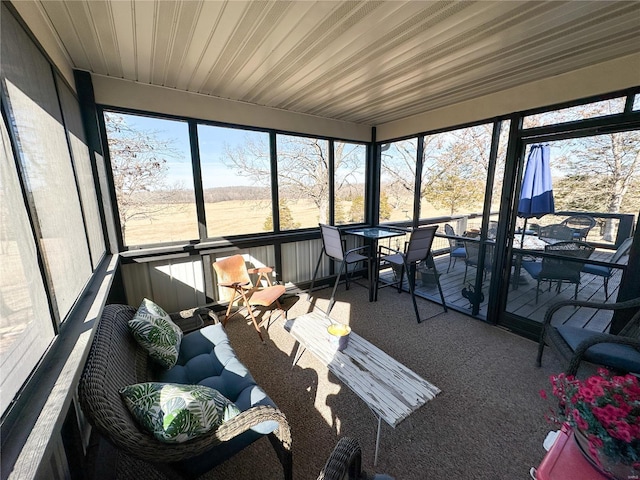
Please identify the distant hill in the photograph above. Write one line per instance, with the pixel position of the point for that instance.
(225, 194)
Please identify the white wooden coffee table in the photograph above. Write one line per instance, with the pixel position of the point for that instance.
(391, 390)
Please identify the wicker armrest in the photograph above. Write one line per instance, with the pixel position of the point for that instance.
(550, 335)
(345, 458)
(144, 446)
(582, 348)
(596, 305)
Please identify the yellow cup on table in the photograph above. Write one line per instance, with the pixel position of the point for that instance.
(339, 335)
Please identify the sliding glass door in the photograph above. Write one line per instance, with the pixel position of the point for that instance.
(579, 247)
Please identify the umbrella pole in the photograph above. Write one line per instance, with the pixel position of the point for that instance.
(516, 272)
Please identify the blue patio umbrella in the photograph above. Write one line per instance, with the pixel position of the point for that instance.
(536, 194)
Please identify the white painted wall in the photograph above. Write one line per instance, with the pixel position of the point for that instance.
(128, 94)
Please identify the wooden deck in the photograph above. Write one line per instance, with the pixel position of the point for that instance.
(522, 301)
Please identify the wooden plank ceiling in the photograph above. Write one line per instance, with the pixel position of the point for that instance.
(364, 62)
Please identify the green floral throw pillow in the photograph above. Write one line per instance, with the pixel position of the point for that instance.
(153, 329)
(177, 413)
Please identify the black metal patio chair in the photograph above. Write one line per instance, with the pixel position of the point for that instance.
(417, 249)
(472, 257)
(334, 248)
(456, 247)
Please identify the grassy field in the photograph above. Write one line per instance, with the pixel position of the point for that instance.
(234, 217)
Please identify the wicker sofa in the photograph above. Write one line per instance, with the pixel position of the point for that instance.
(206, 357)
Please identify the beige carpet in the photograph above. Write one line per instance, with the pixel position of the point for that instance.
(488, 422)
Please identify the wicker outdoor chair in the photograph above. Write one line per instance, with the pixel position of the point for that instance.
(580, 224)
(116, 360)
(456, 247)
(574, 345)
(345, 462)
(556, 232)
(558, 269)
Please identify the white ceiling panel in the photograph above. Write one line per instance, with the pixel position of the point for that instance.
(123, 24)
(364, 62)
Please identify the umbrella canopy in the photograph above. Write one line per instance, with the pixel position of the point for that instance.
(536, 195)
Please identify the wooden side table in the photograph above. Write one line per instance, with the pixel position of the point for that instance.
(565, 460)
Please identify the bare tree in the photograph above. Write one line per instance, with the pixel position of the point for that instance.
(599, 169)
(399, 168)
(139, 165)
(303, 168)
(458, 168)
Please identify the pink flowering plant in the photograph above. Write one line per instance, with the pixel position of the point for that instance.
(606, 408)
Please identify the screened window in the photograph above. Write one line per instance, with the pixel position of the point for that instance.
(26, 328)
(41, 200)
(572, 114)
(236, 178)
(350, 168)
(84, 174)
(596, 174)
(35, 117)
(454, 174)
(397, 180)
(153, 178)
(303, 181)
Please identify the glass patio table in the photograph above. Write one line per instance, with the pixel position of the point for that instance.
(372, 236)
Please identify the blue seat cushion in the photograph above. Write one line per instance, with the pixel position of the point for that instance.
(532, 268)
(597, 270)
(207, 358)
(458, 252)
(621, 357)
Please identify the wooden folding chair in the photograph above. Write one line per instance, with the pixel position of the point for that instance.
(232, 273)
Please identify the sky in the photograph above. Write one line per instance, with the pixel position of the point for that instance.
(212, 142)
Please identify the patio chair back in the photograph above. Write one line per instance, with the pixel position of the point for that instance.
(332, 242)
(622, 250)
(419, 244)
(472, 250)
(580, 225)
(333, 247)
(417, 249)
(559, 269)
(607, 272)
(565, 270)
(448, 230)
(456, 247)
(556, 232)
